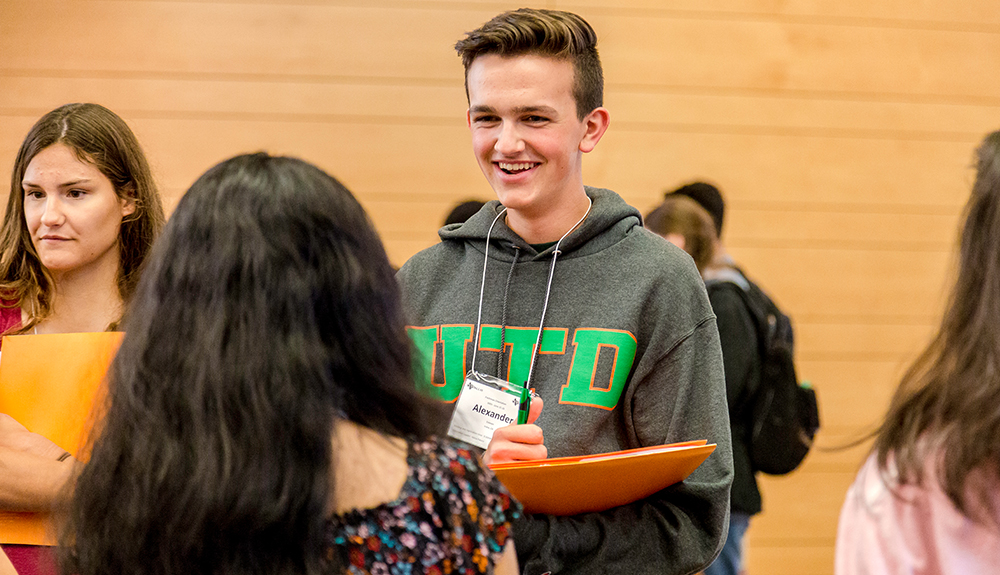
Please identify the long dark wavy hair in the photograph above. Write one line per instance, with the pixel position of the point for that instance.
(948, 402)
(99, 137)
(268, 311)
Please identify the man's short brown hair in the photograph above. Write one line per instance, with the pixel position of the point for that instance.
(547, 33)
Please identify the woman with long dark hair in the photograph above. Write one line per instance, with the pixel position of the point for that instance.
(928, 498)
(262, 417)
(82, 213)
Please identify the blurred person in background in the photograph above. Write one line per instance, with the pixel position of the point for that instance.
(463, 211)
(683, 220)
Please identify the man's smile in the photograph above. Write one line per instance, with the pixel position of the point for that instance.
(515, 167)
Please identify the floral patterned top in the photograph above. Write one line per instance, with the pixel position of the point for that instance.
(451, 516)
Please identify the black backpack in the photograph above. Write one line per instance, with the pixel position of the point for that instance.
(782, 416)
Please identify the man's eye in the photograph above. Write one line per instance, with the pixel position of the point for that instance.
(536, 119)
(75, 193)
(485, 119)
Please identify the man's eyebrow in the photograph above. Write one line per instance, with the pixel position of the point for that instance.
(533, 109)
(481, 109)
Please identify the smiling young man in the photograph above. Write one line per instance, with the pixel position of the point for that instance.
(557, 286)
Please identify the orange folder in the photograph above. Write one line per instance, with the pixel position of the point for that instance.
(49, 383)
(572, 485)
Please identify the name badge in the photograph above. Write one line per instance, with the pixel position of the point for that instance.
(485, 404)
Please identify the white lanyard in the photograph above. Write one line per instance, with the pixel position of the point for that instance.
(548, 290)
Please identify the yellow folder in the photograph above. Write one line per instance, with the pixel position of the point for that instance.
(49, 384)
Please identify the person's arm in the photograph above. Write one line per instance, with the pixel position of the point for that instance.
(33, 470)
(29, 482)
(6, 567)
(507, 565)
(678, 530)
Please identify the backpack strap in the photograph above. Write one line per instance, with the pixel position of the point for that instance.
(736, 282)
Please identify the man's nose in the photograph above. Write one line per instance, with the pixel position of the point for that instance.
(509, 142)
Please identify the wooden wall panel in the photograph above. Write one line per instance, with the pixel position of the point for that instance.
(876, 287)
(294, 100)
(840, 132)
(961, 14)
(804, 226)
(692, 109)
(820, 170)
(809, 57)
(792, 502)
(841, 382)
(235, 38)
(789, 559)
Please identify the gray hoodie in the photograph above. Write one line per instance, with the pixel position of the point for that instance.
(629, 358)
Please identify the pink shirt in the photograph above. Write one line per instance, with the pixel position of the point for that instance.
(10, 318)
(912, 530)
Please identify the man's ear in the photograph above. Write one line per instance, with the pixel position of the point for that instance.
(597, 122)
(468, 118)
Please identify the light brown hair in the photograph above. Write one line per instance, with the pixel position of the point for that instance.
(101, 138)
(948, 402)
(682, 215)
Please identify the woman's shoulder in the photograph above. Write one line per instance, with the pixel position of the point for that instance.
(452, 468)
(887, 521)
(449, 497)
(440, 452)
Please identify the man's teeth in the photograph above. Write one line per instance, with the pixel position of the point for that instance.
(512, 168)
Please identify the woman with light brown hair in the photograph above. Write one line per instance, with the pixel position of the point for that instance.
(927, 500)
(684, 223)
(81, 216)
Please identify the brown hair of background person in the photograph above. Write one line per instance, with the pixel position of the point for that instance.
(681, 216)
(950, 393)
(562, 34)
(101, 138)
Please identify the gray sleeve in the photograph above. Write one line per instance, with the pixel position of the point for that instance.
(679, 530)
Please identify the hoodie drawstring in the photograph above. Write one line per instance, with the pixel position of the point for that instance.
(482, 289)
(503, 314)
(545, 303)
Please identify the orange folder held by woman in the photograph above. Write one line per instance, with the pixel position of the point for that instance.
(49, 384)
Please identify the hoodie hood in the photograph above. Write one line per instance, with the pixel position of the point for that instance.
(610, 219)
